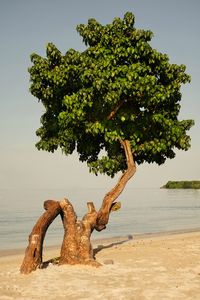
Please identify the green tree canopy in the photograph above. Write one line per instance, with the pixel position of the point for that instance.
(119, 88)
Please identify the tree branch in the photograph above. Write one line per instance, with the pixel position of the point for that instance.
(113, 112)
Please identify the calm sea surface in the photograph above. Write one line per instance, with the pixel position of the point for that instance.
(142, 211)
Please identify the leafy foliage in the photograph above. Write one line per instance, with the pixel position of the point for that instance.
(118, 88)
(194, 184)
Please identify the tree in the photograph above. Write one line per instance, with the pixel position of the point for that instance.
(116, 104)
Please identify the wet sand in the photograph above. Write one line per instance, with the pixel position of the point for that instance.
(161, 266)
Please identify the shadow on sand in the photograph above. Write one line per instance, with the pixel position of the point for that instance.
(102, 247)
(99, 248)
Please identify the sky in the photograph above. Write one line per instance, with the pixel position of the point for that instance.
(27, 26)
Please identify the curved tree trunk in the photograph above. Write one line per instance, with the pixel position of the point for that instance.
(33, 254)
(104, 212)
(76, 247)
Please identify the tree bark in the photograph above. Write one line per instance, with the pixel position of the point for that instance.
(104, 212)
(76, 247)
(33, 254)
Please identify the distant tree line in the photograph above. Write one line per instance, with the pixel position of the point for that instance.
(193, 184)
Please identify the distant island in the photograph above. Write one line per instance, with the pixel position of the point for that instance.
(194, 184)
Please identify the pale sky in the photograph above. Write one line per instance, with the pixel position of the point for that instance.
(27, 26)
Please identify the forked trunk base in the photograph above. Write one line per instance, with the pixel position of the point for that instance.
(76, 247)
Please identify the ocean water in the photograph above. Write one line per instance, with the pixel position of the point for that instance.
(143, 211)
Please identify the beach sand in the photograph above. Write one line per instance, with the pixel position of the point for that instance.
(154, 267)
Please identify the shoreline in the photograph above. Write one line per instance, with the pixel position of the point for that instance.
(113, 239)
(140, 267)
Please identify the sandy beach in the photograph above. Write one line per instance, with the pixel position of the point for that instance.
(164, 266)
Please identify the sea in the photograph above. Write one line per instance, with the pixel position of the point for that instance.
(143, 211)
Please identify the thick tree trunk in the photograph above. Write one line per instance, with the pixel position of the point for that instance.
(76, 247)
(33, 254)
